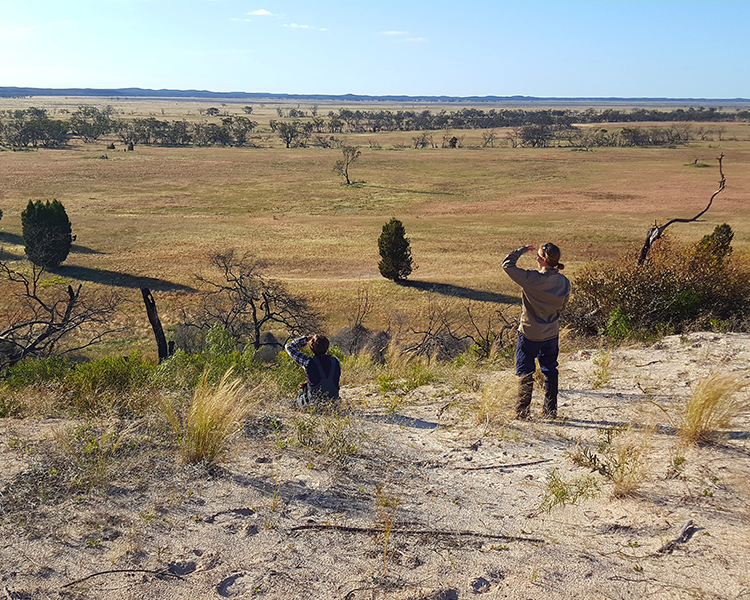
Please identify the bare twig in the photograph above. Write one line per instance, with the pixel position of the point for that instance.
(158, 573)
(435, 532)
(657, 230)
(515, 465)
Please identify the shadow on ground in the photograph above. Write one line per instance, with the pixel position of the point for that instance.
(107, 277)
(457, 291)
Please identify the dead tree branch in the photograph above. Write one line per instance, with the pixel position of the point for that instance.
(48, 316)
(657, 230)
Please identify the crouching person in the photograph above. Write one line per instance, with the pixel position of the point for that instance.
(322, 372)
(545, 294)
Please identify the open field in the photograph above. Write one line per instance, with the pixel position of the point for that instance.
(151, 216)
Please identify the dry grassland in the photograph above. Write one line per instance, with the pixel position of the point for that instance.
(151, 216)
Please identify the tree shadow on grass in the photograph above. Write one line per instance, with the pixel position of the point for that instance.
(114, 278)
(457, 291)
(17, 240)
(10, 238)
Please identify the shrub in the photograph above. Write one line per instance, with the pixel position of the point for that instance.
(214, 415)
(46, 233)
(218, 354)
(680, 288)
(712, 406)
(100, 385)
(395, 251)
(35, 371)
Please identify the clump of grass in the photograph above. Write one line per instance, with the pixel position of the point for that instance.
(385, 516)
(214, 415)
(332, 434)
(619, 455)
(712, 406)
(602, 368)
(561, 492)
(499, 395)
(91, 450)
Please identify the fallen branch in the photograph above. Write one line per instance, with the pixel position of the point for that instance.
(512, 466)
(158, 573)
(657, 230)
(435, 532)
(686, 533)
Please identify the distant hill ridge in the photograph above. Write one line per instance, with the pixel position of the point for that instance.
(206, 94)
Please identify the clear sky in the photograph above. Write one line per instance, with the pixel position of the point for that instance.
(563, 48)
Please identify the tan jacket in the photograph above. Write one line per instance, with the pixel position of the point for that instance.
(545, 294)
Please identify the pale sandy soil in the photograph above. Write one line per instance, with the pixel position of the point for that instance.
(281, 521)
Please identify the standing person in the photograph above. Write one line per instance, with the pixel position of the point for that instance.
(322, 371)
(545, 294)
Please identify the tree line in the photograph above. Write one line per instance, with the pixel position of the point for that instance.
(33, 127)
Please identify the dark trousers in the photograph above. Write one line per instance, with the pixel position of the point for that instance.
(546, 353)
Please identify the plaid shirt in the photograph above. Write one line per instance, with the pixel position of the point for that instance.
(304, 361)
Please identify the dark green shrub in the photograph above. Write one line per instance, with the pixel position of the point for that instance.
(46, 233)
(395, 251)
(679, 288)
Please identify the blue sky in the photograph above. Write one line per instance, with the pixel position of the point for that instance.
(591, 48)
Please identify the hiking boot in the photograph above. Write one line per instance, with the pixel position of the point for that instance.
(525, 388)
(550, 397)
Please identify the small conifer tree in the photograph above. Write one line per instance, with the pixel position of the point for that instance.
(46, 233)
(395, 251)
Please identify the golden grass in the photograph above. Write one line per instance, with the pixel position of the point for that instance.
(498, 400)
(157, 212)
(214, 415)
(713, 406)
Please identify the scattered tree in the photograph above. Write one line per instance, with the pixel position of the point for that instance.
(351, 154)
(245, 301)
(46, 233)
(395, 251)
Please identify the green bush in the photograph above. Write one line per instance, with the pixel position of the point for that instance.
(34, 371)
(679, 289)
(395, 251)
(102, 384)
(220, 353)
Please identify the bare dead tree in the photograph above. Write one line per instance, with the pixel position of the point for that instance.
(242, 299)
(657, 230)
(50, 318)
(494, 334)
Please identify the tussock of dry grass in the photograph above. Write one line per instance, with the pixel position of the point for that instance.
(712, 406)
(214, 415)
(499, 395)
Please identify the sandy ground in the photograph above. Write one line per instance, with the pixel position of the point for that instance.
(459, 501)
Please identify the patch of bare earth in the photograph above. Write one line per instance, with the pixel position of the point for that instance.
(433, 504)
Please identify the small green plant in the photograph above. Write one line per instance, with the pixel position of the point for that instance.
(561, 492)
(620, 456)
(713, 405)
(676, 467)
(214, 415)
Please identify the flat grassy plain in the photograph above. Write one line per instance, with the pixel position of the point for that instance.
(151, 217)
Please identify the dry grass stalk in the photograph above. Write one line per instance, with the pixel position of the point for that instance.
(214, 415)
(499, 395)
(713, 405)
